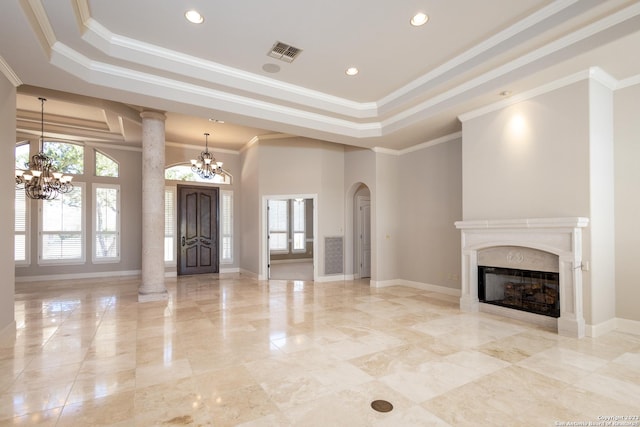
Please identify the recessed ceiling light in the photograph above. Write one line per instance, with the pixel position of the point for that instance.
(351, 71)
(505, 93)
(212, 120)
(194, 17)
(419, 19)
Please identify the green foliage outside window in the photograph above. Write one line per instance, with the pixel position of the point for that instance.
(105, 165)
(67, 158)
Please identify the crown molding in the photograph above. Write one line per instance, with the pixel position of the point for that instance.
(9, 73)
(479, 49)
(422, 146)
(630, 81)
(199, 148)
(330, 115)
(540, 90)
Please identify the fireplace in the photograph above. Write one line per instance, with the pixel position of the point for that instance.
(526, 290)
(552, 245)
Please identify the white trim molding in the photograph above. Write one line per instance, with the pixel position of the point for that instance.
(559, 236)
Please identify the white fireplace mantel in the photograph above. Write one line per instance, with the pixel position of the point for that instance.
(560, 236)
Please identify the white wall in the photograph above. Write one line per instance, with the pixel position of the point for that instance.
(601, 223)
(7, 195)
(627, 201)
(430, 192)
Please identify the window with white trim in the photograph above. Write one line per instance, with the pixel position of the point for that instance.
(298, 226)
(61, 228)
(226, 227)
(21, 230)
(170, 225)
(106, 223)
(278, 225)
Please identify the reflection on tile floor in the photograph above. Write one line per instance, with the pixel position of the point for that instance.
(225, 352)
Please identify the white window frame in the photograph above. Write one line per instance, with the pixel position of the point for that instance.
(170, 191)
(83, 244)
(27, 235)
(285, 231)
(94, 256)
(226, 232)
(294, 231)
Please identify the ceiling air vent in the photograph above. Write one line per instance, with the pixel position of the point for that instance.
(284, 52)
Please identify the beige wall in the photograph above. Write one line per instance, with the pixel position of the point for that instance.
(130, 219)
(249, 214)
(290, 166)
(529, 160)
(359, 168)
(549, 157)
(430, 194)
(386, 219)
(627, 201)
(7, 194)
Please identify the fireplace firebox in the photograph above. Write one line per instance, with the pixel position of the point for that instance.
(532, 291)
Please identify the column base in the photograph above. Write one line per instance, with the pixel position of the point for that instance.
(153, 296)
(469, 304)
(571, 327)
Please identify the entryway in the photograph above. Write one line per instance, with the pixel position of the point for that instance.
(198, 227)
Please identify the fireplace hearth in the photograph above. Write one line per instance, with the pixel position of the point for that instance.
(532, 291)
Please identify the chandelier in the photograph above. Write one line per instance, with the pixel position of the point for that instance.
(205, 164)
(41, 181)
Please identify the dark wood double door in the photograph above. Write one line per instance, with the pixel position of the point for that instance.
(198, 225)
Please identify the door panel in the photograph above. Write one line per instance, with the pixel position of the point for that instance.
(198, 225)
(365, 232)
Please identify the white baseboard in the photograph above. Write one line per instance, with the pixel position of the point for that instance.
(628, 326)
(601, 328)
(249, 274)
(170, 274)
(333, 278)
(290, 261)
(429, 287)
(8, 333)
(417, 285)
(383, 283)
(53, 277)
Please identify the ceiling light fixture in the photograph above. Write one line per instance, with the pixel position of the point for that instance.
(505, 93)
(205, 164)
(41, 181)
(419, 19)
(194, 16)
(351, 71)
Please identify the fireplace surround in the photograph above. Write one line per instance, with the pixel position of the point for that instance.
(561, 237)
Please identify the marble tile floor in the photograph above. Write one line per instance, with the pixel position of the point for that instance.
(226, 352)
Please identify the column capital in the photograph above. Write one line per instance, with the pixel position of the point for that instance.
(153, 114)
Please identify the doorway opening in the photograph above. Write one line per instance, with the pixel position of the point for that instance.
(362, 232)
(290, 234)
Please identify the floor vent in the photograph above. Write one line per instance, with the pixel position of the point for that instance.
(333, 255)
(284, 52)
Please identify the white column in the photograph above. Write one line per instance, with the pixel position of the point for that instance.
(152, 287)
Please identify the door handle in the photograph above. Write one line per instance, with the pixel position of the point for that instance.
(183, 240)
